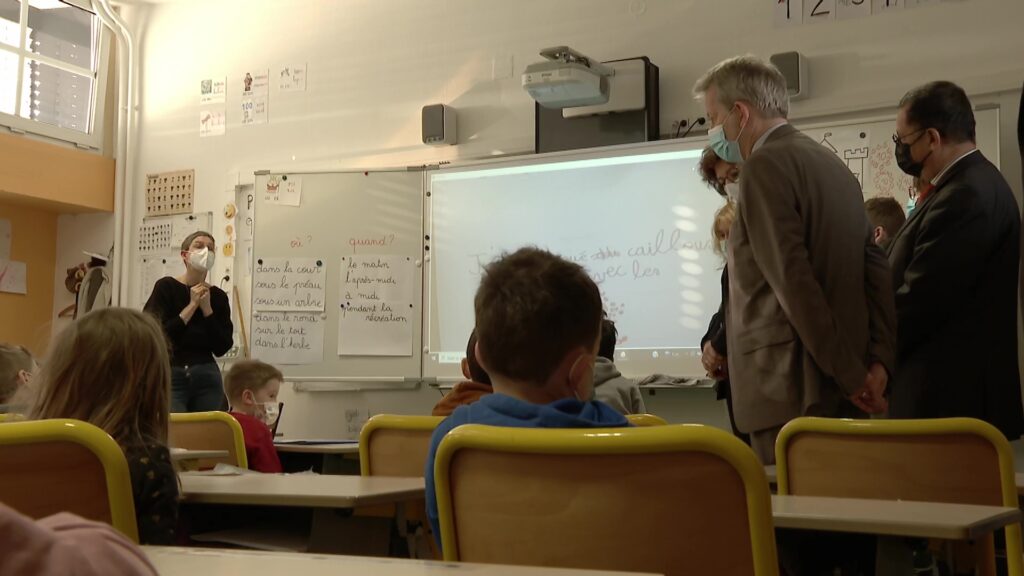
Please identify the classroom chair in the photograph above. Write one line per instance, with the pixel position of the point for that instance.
(209, 431)
(646, 420)
(393, 445)
(64, 465)
(954, 460)
(673, 500)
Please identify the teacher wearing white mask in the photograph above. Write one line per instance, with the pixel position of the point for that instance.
(197, 320)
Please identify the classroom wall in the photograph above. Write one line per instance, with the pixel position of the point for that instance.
(26, 317)
(373, 64)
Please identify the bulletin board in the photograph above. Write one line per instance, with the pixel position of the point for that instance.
(337, 283)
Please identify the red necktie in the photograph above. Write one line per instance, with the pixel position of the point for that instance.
(924, 193)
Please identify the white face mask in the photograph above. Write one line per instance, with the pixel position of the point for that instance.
(269, 413)
(732, 190)
(202, 259)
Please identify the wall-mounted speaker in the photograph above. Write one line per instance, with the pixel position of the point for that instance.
(438, 125)
(793, 66)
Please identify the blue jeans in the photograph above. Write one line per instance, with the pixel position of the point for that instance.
(197, 388)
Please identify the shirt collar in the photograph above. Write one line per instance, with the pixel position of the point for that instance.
(760, 141)
(938, 177)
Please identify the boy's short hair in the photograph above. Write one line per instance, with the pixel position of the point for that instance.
(476, 371)
(13, 359)
(885, 211)
(187, 242)
(609, 336)
(532, 308)
(249, 375)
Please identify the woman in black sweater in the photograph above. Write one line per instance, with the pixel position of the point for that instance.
(197, 320)
(723, 177)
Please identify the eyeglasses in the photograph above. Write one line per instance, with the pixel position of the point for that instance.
(897, 139)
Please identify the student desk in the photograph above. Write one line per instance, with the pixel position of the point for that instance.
(323, 457)
(189, 459)
(333, 527)
(191, 561)
(893, 521)
(891, 517)
(304, 490)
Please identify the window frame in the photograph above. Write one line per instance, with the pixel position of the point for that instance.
(93, 139)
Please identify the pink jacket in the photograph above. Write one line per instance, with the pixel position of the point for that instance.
(66, 544)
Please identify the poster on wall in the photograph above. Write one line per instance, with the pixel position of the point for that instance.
(212, 122)
(283, 190)
(212, 90)
(13, 277)
(255, 91)
(288, 337)
(292, 78)
(849, 9)
(375, 296)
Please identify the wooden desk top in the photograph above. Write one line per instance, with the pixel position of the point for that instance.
(338, 448)
(191, 561)
(309, 490)
(890, 517)
(178, 455)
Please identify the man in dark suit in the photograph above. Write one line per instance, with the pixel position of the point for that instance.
(810, 320)
(955, 270)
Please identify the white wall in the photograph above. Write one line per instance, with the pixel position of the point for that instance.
(77, 233)
(374, 63)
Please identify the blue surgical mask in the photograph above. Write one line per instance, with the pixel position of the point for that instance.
(728, 150)
(911, 204)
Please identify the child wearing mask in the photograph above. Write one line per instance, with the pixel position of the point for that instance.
(252, 387)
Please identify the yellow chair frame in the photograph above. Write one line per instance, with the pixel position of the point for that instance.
(241, 460)
(615, 441)
(646, 420)
(390, 422)
(106, 450)
(923, 427)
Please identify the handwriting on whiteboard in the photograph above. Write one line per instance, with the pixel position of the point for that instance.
(375, 241)
(289, 285)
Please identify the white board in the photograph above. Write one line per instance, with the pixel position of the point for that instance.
(370, 218)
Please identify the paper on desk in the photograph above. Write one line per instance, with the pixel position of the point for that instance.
(221, 469)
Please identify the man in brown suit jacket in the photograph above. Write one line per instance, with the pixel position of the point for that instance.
(811, 319)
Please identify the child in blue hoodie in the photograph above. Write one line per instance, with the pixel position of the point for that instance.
(538, 323)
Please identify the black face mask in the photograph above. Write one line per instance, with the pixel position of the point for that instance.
(905, 160)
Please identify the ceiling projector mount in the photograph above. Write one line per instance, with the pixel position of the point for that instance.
(567, 79)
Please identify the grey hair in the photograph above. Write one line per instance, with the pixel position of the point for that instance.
(748, 79)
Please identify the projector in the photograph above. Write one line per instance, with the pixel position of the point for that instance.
(567, 79)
